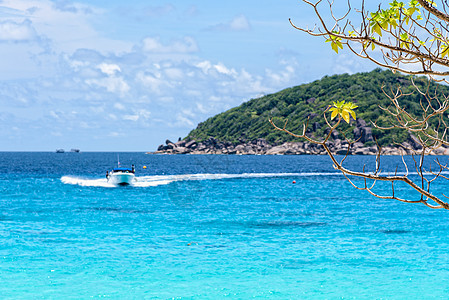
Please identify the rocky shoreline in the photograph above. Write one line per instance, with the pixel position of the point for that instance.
(362, 132)
(262, 147)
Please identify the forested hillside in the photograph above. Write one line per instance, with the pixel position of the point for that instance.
(249, 121)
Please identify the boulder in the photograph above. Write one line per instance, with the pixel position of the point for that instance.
(367, 134)
(180, 150)
(201, 147)
(290, 152)
(311, 100)
(357, 133)
(180, 143)
(362, 151)
(211, 141)
(277, 150)
(261, 142)
(334, 134)
(360, 123)
(414, 142)
(342, 151)
(357, 145)
(191, 144)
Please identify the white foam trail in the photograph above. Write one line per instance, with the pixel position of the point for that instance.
(86, 182)
(156, 180)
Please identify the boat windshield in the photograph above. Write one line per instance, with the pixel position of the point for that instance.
(126, 170)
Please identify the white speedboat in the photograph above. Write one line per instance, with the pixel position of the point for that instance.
(121, 176)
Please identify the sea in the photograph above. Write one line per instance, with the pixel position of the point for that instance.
(214, 227)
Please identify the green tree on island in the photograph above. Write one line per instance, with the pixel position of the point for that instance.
(412, 38)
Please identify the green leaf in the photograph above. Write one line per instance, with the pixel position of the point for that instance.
(377, 29)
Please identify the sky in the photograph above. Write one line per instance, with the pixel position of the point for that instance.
(114, 75)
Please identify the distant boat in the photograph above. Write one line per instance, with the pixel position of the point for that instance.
(60, 151)
(75, 150)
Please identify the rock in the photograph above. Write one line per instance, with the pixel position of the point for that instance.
(367, 135)
(357, 133)
(312, 116)
(360, 123)
(289, 152)
(438, 151)
(414, 142)
(342, 151)
(180, 143)
(311, 100)
(170, 146)
(357, 145)
(239, 148)
(191, 144)
(261, 142)
(361, 151)
(180, 150)
(160, 148)
(277, 150)
(167, 141)
(201, 147)
(211, 141)
(406, 146)
(334, 134)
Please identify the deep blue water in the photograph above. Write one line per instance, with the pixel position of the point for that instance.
(211, 227)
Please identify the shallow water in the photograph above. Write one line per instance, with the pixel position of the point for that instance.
(211, 227)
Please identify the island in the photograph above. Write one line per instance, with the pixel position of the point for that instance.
(246, 129)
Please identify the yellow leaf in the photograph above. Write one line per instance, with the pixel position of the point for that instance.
(352, 114)
(345, 116)
(334, 46)
(334, 114)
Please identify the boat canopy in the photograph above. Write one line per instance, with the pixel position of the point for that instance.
(123, 170)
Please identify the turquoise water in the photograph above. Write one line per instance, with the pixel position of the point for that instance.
(210, 227)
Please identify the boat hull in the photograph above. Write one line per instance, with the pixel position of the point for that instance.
(121, 178)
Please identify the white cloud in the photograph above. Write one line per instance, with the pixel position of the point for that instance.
(156, 82)
(109, 69)
(115, 85)
(11, 31)
(67, 24)
(238, 23)
(159, 11)
(119, 106)
(133, 118)
(184, 45)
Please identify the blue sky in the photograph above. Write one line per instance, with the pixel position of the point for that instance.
(126, 75)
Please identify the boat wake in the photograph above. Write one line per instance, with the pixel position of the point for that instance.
(157, 180)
